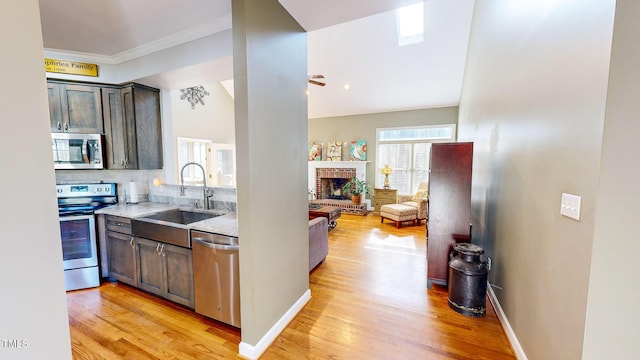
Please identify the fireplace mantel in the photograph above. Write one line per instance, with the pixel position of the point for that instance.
(360, 166)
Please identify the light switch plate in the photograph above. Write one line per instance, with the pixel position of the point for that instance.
(570, 206)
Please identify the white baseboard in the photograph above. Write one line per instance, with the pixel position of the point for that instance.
(513, 339)
(253, 352)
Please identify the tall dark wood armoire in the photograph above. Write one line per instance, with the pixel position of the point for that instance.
(449, 219)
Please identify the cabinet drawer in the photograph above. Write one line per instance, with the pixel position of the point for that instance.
(386, 196)
(118, 224)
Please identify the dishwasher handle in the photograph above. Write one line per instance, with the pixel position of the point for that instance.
(208, 244)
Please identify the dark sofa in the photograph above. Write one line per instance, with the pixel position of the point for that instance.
(318, 241)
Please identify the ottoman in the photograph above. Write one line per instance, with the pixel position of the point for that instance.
(398, 213)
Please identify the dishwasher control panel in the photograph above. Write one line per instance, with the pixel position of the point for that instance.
(213, 238)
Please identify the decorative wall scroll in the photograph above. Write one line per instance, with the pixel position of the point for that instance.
(194, 95)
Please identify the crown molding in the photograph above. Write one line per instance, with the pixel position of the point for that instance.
(194, 33)
(182, 37)
(79, 56)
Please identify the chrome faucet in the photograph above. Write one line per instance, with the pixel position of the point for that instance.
(205, 194)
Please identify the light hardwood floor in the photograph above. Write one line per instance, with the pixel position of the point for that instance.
(369, 301)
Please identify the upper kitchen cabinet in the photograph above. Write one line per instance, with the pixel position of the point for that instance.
(75, 108)
(132, 123)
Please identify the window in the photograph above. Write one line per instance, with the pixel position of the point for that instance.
(410, 22)
(406, 150)
(222, 162)
(218, 160)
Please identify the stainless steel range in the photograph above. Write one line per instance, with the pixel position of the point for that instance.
(76, 204)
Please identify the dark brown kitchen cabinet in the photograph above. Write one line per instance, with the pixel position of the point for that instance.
(75, 108)
(165, 270)
(449, 218)
(119, 135)
(121, 251)
(133, 131)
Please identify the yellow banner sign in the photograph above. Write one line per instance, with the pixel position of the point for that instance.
(70, 67)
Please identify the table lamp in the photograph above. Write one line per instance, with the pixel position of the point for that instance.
(386, 170)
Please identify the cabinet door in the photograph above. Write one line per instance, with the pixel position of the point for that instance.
(55, 107)
(81, 109)
(178, 264)
(148, 134)
(115, 129)
(129, 118)
(150, 274)
(449, 205)
(122, 259)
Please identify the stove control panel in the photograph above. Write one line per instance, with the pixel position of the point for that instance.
(84, 190)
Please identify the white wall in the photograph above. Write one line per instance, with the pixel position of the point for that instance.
(213, 121)
(33, 302)
(533, 103)
(611, 330)
(270, 69)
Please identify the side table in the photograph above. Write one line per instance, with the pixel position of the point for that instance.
(383, 197)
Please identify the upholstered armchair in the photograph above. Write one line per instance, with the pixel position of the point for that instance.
(418, 200)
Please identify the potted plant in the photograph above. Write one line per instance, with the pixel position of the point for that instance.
(356, 187)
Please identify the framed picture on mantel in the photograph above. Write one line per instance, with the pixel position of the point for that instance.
(334, 151)
(315, 151)
(358, 151)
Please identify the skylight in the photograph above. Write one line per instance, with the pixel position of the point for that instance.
(410, 20)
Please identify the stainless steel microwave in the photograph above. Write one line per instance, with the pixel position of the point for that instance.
(77, 151)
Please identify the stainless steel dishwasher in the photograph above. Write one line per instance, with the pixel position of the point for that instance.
(216, 279)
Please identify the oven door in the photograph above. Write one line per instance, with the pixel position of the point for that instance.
(79, 249)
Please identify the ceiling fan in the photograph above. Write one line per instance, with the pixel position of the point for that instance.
(312, 80)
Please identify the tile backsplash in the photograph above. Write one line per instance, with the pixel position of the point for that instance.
(223, 199)
(142, 178)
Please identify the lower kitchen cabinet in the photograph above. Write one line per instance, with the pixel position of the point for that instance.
(165, 270)
(122, 257)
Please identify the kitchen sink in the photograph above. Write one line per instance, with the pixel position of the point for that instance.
(178, 216)
(168, 226)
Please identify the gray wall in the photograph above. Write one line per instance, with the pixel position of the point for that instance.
(363, 127)
(270, 67)
(533, 103)
(34, 323)
(611, 330)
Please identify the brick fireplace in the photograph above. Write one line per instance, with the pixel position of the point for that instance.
(326, 179)
(329, 182)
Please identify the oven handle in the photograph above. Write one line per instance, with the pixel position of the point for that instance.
(85, 151)
(75, 217)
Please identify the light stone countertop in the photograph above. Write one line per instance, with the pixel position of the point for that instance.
(226, 224)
